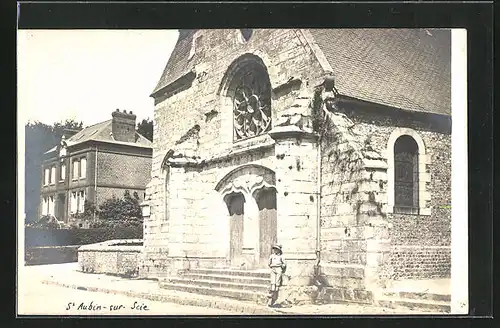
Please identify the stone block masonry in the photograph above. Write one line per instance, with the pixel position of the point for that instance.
(282, 60)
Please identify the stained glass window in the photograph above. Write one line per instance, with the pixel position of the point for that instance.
(406, 173)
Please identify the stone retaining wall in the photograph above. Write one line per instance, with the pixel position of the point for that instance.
(117, 257)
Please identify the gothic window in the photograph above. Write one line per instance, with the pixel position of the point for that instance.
(251, 101)
(406, 174)
(246, 34)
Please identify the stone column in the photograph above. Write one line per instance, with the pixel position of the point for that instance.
(296, 183)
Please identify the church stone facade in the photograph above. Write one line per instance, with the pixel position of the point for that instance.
(333, 143)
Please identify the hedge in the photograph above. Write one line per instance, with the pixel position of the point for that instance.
(51, 255)
(77, 236)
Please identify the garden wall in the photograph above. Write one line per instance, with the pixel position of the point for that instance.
(117, 257)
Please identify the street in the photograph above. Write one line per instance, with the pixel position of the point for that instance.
(42, 299)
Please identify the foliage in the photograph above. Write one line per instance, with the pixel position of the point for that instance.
(46, 222)
(39, 138)
(124, 211)
(145, 128)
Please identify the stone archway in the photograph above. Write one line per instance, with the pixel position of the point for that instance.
(250, 196)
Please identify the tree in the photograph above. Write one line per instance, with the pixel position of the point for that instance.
(145, 128)
(39, 138)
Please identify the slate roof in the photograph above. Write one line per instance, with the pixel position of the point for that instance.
(403, 68)
(178, 64)
(102, 132)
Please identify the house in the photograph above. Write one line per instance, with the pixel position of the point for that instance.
(95, 164)
(334, 143)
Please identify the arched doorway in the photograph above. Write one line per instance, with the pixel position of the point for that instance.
(235, 202)
(268, 226)
(250, 196)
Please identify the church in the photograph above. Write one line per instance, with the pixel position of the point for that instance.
(334, 143)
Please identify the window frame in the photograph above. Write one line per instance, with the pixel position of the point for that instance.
(82, 170)
(424, 196)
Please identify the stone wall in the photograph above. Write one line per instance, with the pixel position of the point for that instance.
(287, 56)
(355, 211)
(118, 257)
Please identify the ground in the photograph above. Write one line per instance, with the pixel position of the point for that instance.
(44, 299)
(59, 289)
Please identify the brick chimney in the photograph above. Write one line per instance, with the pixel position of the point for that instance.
(123, 126)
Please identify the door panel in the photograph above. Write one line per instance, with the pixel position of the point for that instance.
(236, 213)
(268, 228)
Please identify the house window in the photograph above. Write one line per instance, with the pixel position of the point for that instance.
(46, 177)
(51, 206)
(75, 169)
(406, 181)
(62, 174)
(251, 96)
(81, 201)
(52, 175)
(45, 206)
(73, 203)
(83, 168)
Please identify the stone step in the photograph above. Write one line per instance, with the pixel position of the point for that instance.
(219, 284)
(420, 296)
(414, 304)
(227, 278)
(230, 272)
(239, 294)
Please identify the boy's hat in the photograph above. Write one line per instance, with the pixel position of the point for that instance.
(278, 247)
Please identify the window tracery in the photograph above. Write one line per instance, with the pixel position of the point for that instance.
(251, 103)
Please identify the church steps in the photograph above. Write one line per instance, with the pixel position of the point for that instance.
(414, 304)
(219, 284)
(245, 285)
(230, 272)
(420, 296)
(239, 294)
(227, 278)
(416, 301)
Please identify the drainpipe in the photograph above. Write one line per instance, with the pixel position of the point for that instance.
(95, 180)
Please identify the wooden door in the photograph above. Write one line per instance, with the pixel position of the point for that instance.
(268, 227)
(235, 204)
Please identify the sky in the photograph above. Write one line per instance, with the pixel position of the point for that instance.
(87, 74)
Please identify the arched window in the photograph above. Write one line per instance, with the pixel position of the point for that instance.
(250, 91)
(406, 175)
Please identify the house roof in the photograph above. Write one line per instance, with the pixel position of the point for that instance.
(101, 132)
(403, 68)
